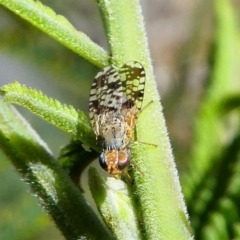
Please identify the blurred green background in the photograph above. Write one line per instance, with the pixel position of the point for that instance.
(183, 41)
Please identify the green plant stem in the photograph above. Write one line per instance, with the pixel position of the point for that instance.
(47, 180)
(59, 28)
(155, 175)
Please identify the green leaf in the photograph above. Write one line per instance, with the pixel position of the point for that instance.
(74, 158)
(115, 204)
(47, 180)
(214, 165)
(62, 116)
(230, 103)
(59, 28)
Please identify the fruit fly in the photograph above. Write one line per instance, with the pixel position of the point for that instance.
(115, 102)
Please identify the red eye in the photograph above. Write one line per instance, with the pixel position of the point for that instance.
(114, 161)
(123, 158)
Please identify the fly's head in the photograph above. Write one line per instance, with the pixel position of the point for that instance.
(114, 161)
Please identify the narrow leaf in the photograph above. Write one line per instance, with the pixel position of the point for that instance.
(59, 28)
(115, 205)
(47, 180)
(62, 116)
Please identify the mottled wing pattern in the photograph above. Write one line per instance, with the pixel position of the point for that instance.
(111, 90)
(105, 94)
(133, 76)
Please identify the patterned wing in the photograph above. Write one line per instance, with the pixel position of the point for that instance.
(106, 93)
(133, 76)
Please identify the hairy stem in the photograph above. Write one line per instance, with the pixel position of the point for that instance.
(156, 180)
(47, 180)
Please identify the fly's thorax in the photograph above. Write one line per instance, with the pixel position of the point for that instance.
(114, 161)
(112, 131)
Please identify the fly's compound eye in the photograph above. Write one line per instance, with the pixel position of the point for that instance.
(102, 161)
(123, 159)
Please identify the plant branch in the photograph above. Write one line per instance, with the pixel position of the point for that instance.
(155, 177)
(47, 180)
(59, 28)
(62, 116)
(115, 204)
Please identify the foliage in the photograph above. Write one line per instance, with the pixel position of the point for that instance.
(151, 204)
(210, 186)
(153, 214)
